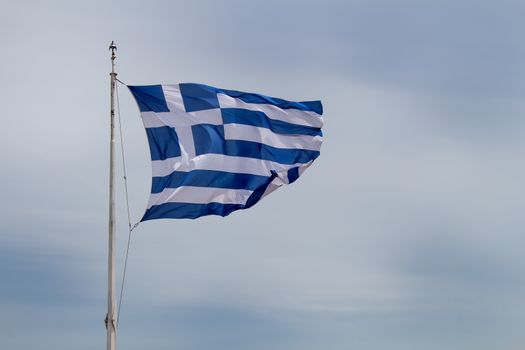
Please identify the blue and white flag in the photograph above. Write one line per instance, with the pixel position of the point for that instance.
(214, 151)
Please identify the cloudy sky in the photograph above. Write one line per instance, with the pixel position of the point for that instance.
(407, 233)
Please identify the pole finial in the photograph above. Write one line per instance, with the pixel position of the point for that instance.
(113, 48)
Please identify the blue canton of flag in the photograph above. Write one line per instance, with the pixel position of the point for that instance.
(215, 151)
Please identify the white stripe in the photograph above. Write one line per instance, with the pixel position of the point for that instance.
(173, 98)
(186, 143)
(151, 120)
(219, 162)
(199, 195)
(268, 137)
(294, 116)
(177, 119)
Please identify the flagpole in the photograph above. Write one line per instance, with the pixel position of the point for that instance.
(110, 317)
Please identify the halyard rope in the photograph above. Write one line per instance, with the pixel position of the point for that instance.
(131, 228)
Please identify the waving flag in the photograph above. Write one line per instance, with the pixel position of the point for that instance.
(215, 151)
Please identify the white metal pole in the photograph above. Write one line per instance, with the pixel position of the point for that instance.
(110, 317)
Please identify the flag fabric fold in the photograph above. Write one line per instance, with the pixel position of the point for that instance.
(214, 151)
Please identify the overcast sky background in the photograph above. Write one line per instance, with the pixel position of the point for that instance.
(406, 233)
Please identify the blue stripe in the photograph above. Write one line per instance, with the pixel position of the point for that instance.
(313, 106)
(257, 194)
(195, 91)
(210, 139)
(189, 210)
(293, 174)
(262, 151)
(163, 143)
(208, 178)
(260, 119)
(193, 211)
(150, 98)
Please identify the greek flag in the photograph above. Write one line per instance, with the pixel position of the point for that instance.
(214, 151)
